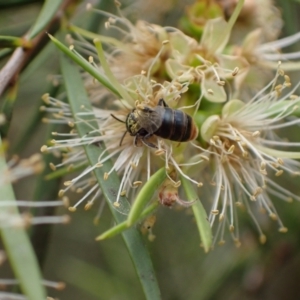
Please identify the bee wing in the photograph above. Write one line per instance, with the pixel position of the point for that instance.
(151, 120)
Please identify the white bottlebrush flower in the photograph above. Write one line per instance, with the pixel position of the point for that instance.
(133, 160)
(246, 156)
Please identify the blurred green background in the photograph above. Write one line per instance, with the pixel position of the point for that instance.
(103, 270)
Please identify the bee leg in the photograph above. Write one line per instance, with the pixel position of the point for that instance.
(145, 142)
(162, 102)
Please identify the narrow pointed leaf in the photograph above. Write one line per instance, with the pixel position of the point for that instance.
(199, 214)
(145, 195)
(49, 9)
(84, 64)
(77, 97)
(123, 226)
(18, 248)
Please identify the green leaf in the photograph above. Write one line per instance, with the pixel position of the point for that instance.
(84, 64)
(145, 195)
(12, 41)
(49, 9)
(123, 226)
(77, 97)
(18, 248)
(199, 213)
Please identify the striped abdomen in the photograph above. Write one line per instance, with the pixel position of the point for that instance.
(177, 126)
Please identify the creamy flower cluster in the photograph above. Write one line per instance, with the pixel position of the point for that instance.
(224, 82)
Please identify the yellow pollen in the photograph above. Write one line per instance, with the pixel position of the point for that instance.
(88, 205)
(262, 239)
(256, 133)
(273, 216)
(67, 183)
(221, 243)
(280, 161)
(215, 212)
(46, 98)
(91, 59)
(199, 184)
(281, 72)
(245, 154)
(71, 124)
(79, 190)
(294, 97)
(237, 243)
(61, 193)
(143, 72)
(71, 47)
(231, 149)
(133, 165)
(70, 167)
(235, 71)
(165, 42)
(257, 191)
(105, 176)
(177, 184)
(117, 3)
(116, 204)
(72, 208)
(137, 183)
(99, 165)
(210, 91)
(44, 149)
(52, 166)
(123, 193)
(205, 157)
(221, 82)
(221, 217)
(278, 173)
(66, 201)
(283, 230)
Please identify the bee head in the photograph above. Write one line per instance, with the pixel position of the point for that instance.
(132, 123)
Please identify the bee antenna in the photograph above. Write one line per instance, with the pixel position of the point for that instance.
(122, 138)
(117, 118)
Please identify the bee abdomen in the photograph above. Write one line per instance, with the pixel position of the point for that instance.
(177, 126)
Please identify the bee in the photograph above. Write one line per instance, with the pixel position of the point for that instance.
(172, 124)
